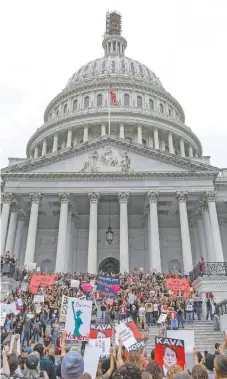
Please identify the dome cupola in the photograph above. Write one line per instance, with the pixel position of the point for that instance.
(113, 43)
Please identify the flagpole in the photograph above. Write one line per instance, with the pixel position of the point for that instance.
(109, 108)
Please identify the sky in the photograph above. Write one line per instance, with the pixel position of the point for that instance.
(44, 42)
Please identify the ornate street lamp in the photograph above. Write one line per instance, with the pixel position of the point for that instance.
(109, 232)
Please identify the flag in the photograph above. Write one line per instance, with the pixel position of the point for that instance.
(113, 95)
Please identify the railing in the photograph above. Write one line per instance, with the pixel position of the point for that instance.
(222, 307)
(209, 268)
(11, 271)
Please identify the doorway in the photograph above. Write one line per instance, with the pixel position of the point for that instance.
(110, 265)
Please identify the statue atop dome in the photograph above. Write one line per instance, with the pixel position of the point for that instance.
(113, 23)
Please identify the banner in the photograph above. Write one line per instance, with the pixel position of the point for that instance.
(101, 331)
(2, 318)
(41, 280)
(103, 344)
(91, 360)
(108, 286)
(179, 286)
(75, 283)
(169, 352)
(136, 333)
(38, 298)
(126, 335)
(189, 336)
(78, 319)
(8, 308)
(64, 307)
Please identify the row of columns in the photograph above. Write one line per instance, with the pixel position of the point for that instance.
(154, 142)
(209, 233)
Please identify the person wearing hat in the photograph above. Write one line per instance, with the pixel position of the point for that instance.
(72, 366)
(32, 368)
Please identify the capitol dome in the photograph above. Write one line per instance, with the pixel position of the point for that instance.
(146, 112)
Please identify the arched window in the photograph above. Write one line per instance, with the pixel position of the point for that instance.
(151, 104)
(161, 108)
(126, 99)
(170, 112)
(99, 100)
(144, 142)
(65, 108)
(86, 102)
(114, 46)
(113, 65)
(56, 111)
(123, 67)
(139, 102)
(75, 103)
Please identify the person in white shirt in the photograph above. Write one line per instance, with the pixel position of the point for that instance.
(142, 315)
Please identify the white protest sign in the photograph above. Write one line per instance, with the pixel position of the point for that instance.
(19, 302)
(78, 319)
(103, 344)
(2, 318)
(75, 283)
(189, 343)
(24, 286)
(17, 344)
(91, 360)
(64, 307)
(8, 308)
(125, 334)
(30, 315)
(92, 282)
(162, 318)
(38, 298)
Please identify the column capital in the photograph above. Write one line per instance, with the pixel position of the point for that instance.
(152, 197)
(209, 196)
(7, 198)
(15, 206)
(94, 197)
(204, 205)
(35, 197)
(64, 198)
(182, 196)
(123, 197)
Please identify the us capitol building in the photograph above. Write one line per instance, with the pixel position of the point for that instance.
(139, 194)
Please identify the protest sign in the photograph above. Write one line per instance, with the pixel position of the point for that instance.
(8, 308)
(136, 333)
(41, 280)
(179, 286)
(78, 319)
(38, 298)
(108, 286)
(109, 301)
(64, 307)
(30, 315)
(12, 340)
(101, 331)
(92, 283)
(169, 352)
(24, 286)
(186, 335)
(103, 344)
(126, 335)
(31, 266)
(19, 303)
(2, 318)
(162, 318)
(91, 360)
(75, 283)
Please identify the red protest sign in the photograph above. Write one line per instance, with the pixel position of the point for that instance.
(101, 331)
(40, 280)
(169, 352)
(179, 286)
(136, 333)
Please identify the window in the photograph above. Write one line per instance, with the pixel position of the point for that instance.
(139, 102)
(151, 104)
(57, 112)
(132, 68)
(86, 102)
(99, 100)
(123, 67)
(75, 103)
(113, 65)
(114, 46)
(170, 112)
(126, 99)
(65, 108)
(161, 108)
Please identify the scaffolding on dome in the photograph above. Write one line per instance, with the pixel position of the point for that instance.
(113, 23)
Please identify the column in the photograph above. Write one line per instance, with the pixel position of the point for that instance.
(182, 149)
(62, 232)
(12, 228)
(156, 140)
(170, 142)
(75, 226)
(44, 148)
(123, 199)
(103, 130)
(202, 242)
(185, 235)
(122, 130)
(69, 139)
(32, 228)
(139, 134)
(218, 251)
(36, 153)
(155, 257)
(19, 234)
(55, 143)
(67, 266)
(208, 233)
(7, 198)
(93, 233)
(190, 152)
(85, 138)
